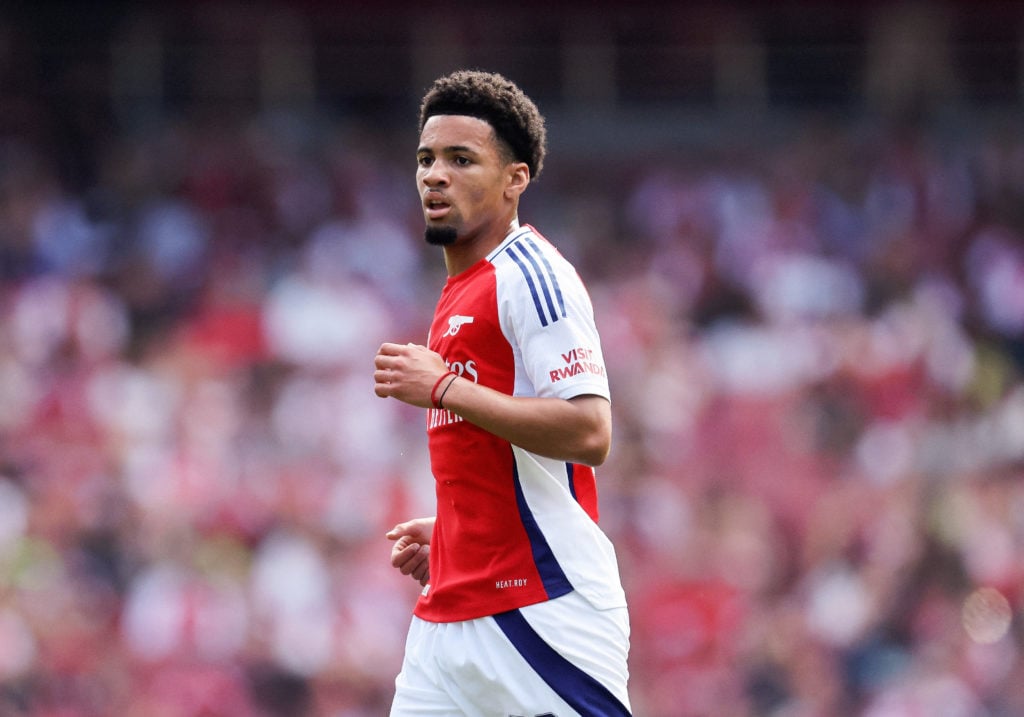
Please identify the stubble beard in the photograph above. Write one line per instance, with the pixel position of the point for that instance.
(440, 236)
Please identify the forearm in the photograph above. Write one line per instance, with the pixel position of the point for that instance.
(576, 430)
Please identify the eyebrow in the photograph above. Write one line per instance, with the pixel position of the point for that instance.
(451, 149)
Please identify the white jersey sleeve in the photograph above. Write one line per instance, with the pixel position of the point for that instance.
(547, 316)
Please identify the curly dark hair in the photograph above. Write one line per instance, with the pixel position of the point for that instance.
(498, 101)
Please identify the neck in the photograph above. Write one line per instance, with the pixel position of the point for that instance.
(461, 255)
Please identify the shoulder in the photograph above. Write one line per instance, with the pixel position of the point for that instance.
(535, 280)
(526, 255)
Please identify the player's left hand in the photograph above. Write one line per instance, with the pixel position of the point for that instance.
(410, 554)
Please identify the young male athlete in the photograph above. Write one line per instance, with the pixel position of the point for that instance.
(522, 611)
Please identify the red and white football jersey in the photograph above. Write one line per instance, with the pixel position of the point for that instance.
(514, 528)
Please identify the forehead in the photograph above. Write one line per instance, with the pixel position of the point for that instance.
(444, 131)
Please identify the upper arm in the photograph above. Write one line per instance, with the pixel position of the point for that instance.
(548, 319)
(596, 420)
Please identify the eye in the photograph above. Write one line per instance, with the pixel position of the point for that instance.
(424, 160)
(462, 161)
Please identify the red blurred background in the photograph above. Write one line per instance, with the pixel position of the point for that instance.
(802, 229)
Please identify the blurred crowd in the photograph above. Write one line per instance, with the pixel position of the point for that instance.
(815, 348)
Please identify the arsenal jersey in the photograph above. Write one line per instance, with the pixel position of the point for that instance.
(514, 528)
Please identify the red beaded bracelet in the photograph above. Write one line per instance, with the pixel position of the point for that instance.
(433, 392)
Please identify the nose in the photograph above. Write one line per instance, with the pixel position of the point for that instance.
(434, 175)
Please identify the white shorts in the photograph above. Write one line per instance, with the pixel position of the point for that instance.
(554, 659)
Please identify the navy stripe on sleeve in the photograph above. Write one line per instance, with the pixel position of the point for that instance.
(529, 282)
(540, 278)
(551, 274)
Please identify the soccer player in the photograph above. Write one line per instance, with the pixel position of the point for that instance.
(522, 611)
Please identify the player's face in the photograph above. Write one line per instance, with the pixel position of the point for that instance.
(462, 180)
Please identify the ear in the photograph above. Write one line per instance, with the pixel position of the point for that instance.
(518, 179)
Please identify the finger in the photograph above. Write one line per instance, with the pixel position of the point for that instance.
(410, 560)
(402, 544)
(400, 530)
(389, 349)
(401, 564)
(406, 527)
(401, 554)
(411, 567)
(417, 566)
(421, 571)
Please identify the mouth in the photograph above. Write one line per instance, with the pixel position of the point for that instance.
(436, 206)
